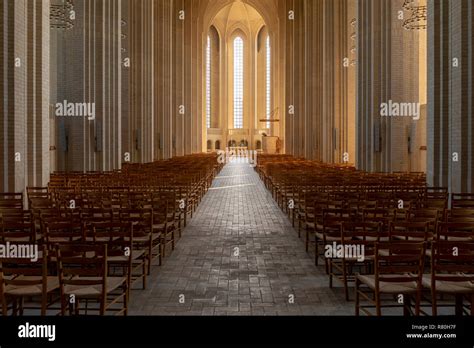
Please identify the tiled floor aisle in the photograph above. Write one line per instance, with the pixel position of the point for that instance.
(239, 215)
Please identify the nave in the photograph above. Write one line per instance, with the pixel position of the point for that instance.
(238, 216)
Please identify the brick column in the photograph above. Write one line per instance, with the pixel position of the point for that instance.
(24, 107)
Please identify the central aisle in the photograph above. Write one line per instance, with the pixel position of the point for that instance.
(239, 255)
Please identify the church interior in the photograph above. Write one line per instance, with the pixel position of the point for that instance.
(237, 158)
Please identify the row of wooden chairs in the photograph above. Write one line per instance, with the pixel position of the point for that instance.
(398, 279)
(74, 275)
(97, 234)
(387, 217)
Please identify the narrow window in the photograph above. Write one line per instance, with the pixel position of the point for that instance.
(208, 82)
(238, 83)
(268, 81)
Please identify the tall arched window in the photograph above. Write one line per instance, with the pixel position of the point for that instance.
(208, 82)
(238, 83)
(268, 81)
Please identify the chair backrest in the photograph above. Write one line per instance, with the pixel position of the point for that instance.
(452, 261)
(459, 215)
(64, 232)
(419, 231)
(93, 215)
(82, 265)
(462, 201)
(361, 232)
(114, 233)
(37, 192)
(455, 231)
(399, 262)
(11, 200)
(339, 213)
(29, 271)
(20, 230)
(141, 218)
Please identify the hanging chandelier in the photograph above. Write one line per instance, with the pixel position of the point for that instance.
(353, 49)
(418, 19)
(62, 15)
(408, 4)
(419, 16)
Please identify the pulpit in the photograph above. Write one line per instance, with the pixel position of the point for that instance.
(270, 145)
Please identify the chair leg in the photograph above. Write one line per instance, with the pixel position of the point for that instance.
(44, 304)
(4, 306)
(378, 304)
(307, 239)
(63, 305)
(472, 304)
(77, 309)
(103, 303)
(434, 305)
(330, 273)
(357, 297)
(160, 258)
(144, 274)
(21, 301)
(406, 305)
(316, 252)
(459, 303)
(163, 245)
(125, 300)
(418, 302)
(344, 277)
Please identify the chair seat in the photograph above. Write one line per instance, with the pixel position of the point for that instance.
(411, 239)
(92, 291)
(142, 239)
(448, 287)
(159, 226)
(136, 254)
(64, 239)
(461, 239)
(31, 290)
(388, 287)
(16, 239)
(100, 239)
(320, 236)
(357, 259)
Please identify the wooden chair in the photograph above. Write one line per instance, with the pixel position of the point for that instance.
(398, 273)
(63, 233)
(356, 251)
(22, 278)
(452, 273)
(144, 239)
(331, 232)
(121, 251)
(83, 276)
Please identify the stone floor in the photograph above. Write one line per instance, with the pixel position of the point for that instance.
(239, 255)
